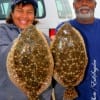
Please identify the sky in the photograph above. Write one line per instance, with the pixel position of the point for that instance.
(97, 11)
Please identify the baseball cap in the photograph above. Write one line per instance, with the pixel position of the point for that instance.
(33, 2)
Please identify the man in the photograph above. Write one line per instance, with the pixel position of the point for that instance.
(89, 27)
(23, 13)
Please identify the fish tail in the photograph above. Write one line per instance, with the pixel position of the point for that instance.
(70, 94)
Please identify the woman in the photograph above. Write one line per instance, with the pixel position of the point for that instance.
(23, 13)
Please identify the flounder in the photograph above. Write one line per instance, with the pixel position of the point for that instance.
(70, 59)
(30, 63)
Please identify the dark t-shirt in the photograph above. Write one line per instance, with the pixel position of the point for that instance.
(89, 88)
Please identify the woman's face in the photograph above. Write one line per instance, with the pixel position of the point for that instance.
(23, 16)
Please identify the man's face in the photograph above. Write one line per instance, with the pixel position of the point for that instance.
(84, 9)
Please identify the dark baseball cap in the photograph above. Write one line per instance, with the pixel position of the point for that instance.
(33, 2)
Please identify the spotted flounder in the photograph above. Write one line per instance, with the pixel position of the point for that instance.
(30, 63)
(70, 59)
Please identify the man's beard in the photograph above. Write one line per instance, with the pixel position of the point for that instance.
(85, 16)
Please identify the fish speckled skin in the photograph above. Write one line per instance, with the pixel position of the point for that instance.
(30, 63)
(70, 59)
